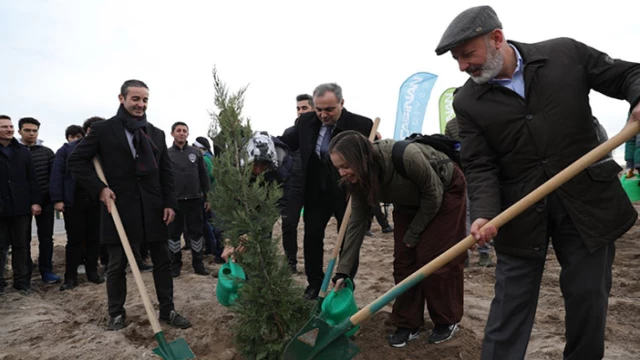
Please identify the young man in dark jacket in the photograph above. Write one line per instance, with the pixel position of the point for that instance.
(294, 196)
(42, 156)
(192, 186)
(81, 215)
(19, 201)
(133, 154)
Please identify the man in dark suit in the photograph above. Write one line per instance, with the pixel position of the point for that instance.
(322, 196)
(137, 167)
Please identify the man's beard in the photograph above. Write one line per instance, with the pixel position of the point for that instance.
(491, 67)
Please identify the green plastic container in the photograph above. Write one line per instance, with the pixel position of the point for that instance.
(230, 279)
(339, 306)
(631, 186)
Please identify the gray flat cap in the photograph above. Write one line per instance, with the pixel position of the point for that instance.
(469, 24)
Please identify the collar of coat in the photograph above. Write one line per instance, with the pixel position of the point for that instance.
(339, 125)
(531, 54)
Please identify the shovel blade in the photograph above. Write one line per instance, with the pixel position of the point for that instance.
(317, 308)
(175, 350)
(318, 340)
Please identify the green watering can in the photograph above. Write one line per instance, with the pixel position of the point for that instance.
(230, 279)
(631, 186)
(339, 306)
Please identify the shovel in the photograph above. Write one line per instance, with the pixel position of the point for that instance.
(336, 248)
(175, 350)
(321, 341)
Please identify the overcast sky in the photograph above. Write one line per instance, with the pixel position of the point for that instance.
(64, 61)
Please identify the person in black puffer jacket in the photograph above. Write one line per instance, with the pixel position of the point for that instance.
(43, 162)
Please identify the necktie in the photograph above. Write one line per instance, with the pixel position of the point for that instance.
(326, 139)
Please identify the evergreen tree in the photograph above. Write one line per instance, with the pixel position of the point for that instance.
(270, 308)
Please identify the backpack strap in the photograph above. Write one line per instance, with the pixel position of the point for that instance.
(397, 156)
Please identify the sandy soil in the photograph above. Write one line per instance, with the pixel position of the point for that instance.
(50, 324)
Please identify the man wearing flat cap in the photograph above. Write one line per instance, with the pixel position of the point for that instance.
(524, 116)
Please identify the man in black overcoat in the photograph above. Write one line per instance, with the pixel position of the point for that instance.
(322, 196)
(133, 154)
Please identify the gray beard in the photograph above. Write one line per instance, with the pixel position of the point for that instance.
(491, 67)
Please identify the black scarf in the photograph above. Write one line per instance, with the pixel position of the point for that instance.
(145, 160)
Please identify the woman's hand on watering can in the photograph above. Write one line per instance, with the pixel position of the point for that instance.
(338, 281)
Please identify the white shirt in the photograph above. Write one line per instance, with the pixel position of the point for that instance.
(130, 139)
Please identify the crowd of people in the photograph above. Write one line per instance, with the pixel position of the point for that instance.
(522, 117)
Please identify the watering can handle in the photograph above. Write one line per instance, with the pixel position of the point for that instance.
(632, 128)
(348, 283)
(155, 324)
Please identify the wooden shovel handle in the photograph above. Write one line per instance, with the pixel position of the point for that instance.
(155, 324)
(345, 222)
(631, 129)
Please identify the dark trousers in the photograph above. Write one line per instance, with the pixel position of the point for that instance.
(104, 255)
(117, 280)
(585, 282)
(443, 290)
(44, 222)
(12, 233)
(317, 213)
(189, 214)
(210, 241)
(290, 220)
(82, 223)
(381, 218)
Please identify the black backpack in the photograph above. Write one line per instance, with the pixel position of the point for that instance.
(439, 142)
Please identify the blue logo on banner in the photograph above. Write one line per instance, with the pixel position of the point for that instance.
(412, 104)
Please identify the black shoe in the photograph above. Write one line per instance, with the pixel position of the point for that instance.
(68, 285)
(25, 290)
(311, 292)
(201, 271)
(116, 323)
(176, 320)
(402, 336)
(95, 278)
(218, 260)
(144, 267)
(369, 233)
(387, 230)
(175, 272)
(442, 333)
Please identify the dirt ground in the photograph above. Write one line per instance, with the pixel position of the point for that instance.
(50, 324)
